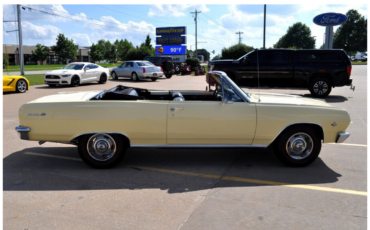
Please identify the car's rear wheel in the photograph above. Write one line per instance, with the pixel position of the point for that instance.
(21, 86)
(320, 87)
(154, 78)
(101, 150)
(168, 75)
(103, 78)
(75, 81)
(298, 146)
(114, 76)
(134, 77)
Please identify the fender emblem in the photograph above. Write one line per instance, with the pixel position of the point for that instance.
(334, 124)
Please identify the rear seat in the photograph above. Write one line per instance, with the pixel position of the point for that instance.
(177, 96)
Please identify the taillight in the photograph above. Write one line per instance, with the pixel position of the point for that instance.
(143, 70)
(349, 70)
(161, 68)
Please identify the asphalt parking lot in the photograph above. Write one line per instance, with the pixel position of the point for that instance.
(49, 187)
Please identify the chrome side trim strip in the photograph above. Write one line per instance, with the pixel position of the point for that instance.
(298, 123)
(199, 146)
(342, 137)
(23, 132)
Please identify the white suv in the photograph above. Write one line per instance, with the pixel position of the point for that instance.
(77, 73)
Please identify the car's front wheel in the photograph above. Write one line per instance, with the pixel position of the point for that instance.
(134, 77)
(298, 146)
(21, 86)
(320, 87)
(114, 76)
(168, 75)
(101, 150)
(75, 81)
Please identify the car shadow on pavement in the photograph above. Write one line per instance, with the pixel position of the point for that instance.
(131, 81)
(174, 170)
(328, 99)
(65, 86)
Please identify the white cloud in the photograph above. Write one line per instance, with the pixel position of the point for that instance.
(81, 39)
(175, 10)
(37, 12)
(211, 23)
(45, 34)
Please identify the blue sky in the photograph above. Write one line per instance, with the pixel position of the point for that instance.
(217, 24)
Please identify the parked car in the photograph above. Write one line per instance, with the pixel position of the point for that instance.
(17, 84)
(361, 56)
(226, 118)
(165, 62)
(137, 70)
(77, 73)
(317, 70)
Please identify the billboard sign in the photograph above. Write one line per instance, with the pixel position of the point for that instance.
(168, 50)
(330, 19)
(171, 40)
(167, 31)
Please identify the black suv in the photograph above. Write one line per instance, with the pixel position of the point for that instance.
(165, 62)
(317, 70)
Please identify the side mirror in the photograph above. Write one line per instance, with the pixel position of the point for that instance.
(246, 61)
(87, 68)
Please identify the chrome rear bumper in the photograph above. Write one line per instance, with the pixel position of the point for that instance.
(23, 132)
(342, 137)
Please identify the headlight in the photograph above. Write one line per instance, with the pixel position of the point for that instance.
(66, 75)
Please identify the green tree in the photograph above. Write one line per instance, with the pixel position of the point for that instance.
(217, 57)
(148, 41)
(65, 48)
(138, 53)
(123, 47)
(108, 55)
(40, 54)
(352, 35)
(236, 51)
(205, 54)
(298, 35)
(97, 52)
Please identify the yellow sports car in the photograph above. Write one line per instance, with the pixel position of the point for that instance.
(17, 84)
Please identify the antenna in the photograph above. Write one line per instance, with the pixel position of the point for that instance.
(258, 77)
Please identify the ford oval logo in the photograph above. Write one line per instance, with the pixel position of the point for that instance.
(330, 19)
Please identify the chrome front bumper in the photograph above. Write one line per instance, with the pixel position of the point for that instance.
(342, 137)
(23, 132)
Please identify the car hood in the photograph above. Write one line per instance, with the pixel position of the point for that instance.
(62, 71)
(270, 98)
(67, 97)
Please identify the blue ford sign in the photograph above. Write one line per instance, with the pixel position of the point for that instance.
(330, 19)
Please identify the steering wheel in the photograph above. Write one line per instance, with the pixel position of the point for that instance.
(216, 95)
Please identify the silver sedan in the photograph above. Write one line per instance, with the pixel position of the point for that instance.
(137, 70)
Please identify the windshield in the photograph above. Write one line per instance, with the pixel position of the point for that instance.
(237, 88)
(74, 66)
(144, 63)
(244, 55)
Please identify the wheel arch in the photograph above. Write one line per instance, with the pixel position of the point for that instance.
(125, 138)
(317, 127)
(325, 74)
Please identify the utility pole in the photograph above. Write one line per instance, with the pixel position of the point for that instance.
(240, 39)
(264, 28)
(196, 34)
(20, 39)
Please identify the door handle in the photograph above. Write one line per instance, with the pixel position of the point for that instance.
(174, 109)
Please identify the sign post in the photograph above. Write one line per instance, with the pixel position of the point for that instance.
(329, 20)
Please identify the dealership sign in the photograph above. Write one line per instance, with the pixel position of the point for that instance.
(171, 40)
(163, 50)
(330, 19)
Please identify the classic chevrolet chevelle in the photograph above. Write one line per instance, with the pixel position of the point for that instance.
(103, 124)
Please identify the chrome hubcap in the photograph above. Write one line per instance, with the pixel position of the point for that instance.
(114, 75)
(134, 77)
(299, 146)
(320, 87)
(101, 147)
(22, 86)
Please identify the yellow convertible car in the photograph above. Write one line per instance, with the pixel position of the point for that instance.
(17, 84)
(103, 124)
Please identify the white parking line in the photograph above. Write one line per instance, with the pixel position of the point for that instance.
(359, 145)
